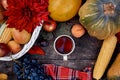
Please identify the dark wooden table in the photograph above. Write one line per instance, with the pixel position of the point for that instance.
(85, 53)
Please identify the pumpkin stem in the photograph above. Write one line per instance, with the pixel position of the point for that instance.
(109, 8)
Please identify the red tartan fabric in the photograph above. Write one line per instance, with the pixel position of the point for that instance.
(63, 73)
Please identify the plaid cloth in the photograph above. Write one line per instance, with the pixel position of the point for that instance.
(63, 73)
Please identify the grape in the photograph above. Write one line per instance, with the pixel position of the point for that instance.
(17, 66)
(16, 69)
(25, 60)
(41, 77)
(31, 78)
(27, 68)
(25, 65)
(18, 73)
(38, 71)
(34, 74)
(34, 61)
(25, 76)
(20, 77)
(27, 71)
(44, 43)
(37, 78)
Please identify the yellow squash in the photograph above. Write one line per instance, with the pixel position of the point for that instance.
(114, 71)
(63, 10)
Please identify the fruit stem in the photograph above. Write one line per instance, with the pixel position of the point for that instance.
(15, 60)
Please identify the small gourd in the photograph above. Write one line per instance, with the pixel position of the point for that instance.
(101, 18)
(114, 71)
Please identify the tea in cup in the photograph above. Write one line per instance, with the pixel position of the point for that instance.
(64, 45)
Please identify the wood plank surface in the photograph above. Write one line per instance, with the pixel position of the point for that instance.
(85, 53)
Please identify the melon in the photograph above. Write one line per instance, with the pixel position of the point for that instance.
(63, 10)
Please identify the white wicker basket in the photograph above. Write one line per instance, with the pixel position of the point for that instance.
(26, 47)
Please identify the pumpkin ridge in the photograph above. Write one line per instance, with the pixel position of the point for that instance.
(101, 18)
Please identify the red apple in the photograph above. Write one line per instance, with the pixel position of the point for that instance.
(49, 26)
(4, 49)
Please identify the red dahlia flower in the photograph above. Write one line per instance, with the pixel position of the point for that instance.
(26, 14)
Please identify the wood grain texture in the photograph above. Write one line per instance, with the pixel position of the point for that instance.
(85, 53)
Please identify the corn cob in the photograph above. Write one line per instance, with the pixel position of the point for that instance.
(6, 35)
(104, 56)
(3, 76)
(2, 28)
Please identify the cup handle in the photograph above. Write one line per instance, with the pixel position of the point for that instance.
(65, 58)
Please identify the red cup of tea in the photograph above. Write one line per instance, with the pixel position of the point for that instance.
(64, 45)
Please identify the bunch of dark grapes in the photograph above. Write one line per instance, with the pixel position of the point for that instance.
(29, 69)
